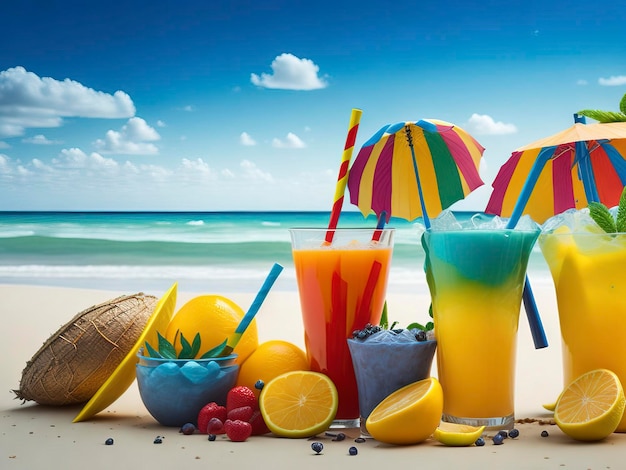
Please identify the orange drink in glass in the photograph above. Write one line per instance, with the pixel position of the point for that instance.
(588, 273)
(342, 287)
(476, 278)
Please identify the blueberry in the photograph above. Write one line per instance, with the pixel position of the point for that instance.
(361, 334)
(498, 439)
(187, 429)
(513, 433)
(480, 442)
(158, 440)
(259, 384)
(544, 434)
(353, 450)
(421, 335)
(212, 437)
(109, 442)
(504, 434)
(317, 447)
(397, 330)
(339, 437)
(359, 440)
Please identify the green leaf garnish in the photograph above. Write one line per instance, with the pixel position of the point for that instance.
(620, 221)
(216, 351)
(152, 352)
(601, 215)
(384, 320)
(166, 349)
(189, 350)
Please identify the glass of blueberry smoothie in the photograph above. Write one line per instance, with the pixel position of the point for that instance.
(387, 360)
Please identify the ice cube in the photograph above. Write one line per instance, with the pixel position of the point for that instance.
(194, 372)
(164, 371)
(445, 221)
(389, 336)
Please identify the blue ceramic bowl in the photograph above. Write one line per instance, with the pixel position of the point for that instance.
(174, 390)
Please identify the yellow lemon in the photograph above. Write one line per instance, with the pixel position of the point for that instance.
(215, 318)
(299, 404)
(457, 435)
(549, 406)
(269, 360)
(591, 407)
(409, 415)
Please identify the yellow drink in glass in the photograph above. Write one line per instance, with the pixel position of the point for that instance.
(342, 287)
(589, 274)
(476, 278)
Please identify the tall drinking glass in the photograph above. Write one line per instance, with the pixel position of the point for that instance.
(342, 287)
(476, 278)
(588, 273)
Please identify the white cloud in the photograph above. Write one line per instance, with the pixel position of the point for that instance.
(292, 141)
(30, 101)
(75, 158)
(189, 108)
(290, 73)
(581, 82)
(246, 139)
(39, 139)
(614, 80)
(484, 124)
(133, 139)
(253, 172)
(4, 145)
(161, 123)
(197, 167)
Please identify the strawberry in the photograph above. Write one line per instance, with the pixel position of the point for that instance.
(243, 413)
(237, 430)
(241, 396)
(209, 411)
(258, 424)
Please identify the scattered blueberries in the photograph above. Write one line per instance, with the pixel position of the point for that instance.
(212, 437)
(359, 440)
(187, 429)
(513, 433)
(369, 329)
(336, 437)
(498, 439)
(353, 450)
(259, 384)
(317, 447)
(158, 440)
(421, 335)
(479, 442)
(504, 434)
(544, 433)
(109, 442)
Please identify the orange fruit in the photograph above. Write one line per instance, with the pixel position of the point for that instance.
(215, 317)
(409, 415)
(299, 404)
(269, 360)
(591, 407)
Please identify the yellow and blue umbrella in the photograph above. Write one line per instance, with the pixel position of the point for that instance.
(413, 169)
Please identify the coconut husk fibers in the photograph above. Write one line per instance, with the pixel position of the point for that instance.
(76, 360)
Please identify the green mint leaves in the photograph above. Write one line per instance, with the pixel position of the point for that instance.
(166, 350)
(601, 215)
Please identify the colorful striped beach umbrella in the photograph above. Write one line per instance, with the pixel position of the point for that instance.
(413, 169)
(568, 170)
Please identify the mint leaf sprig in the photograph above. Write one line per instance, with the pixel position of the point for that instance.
(167, 350)
(384, 321)
(602, 216)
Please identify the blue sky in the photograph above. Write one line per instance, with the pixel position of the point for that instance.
(237, 105)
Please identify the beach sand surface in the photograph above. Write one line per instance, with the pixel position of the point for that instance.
(38, 437)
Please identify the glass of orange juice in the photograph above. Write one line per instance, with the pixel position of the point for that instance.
(342, 287)
(588, 273)
(476, 278)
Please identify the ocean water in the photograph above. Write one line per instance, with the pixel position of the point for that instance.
(203, 251)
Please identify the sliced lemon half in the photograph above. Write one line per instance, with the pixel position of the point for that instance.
(457, 435)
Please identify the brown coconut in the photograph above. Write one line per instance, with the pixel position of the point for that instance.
(76, 360)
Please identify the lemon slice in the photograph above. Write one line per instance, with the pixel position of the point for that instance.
(124, 374)
(549, 406)
(591, 407)
(409, 415)
(299, 404)
(457, 435)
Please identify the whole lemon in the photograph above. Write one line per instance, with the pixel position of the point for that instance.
(215, 317)
(269, 360)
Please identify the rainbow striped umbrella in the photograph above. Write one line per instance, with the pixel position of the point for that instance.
(568, 170)
(384, 177)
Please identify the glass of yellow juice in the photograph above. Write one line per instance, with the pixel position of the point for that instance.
(342, 287)
(476, 278)
(588, 270)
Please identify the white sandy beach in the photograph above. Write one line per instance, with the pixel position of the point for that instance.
(36, 437)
